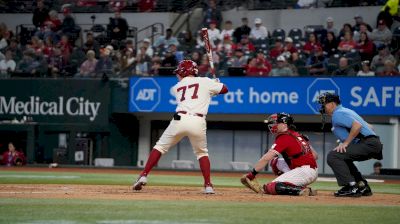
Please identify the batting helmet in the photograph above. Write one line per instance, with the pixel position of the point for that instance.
(187, 68)
(275, 119)
(325, 98)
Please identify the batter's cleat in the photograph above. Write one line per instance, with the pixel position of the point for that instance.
(308, 191)
(364, 188)
(348, 191)
(209, 190)
(140, 182)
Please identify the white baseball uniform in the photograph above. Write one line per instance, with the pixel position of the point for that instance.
(193, 97)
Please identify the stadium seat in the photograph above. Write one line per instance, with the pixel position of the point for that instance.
(182, 164)
(241, 165)
(296, 34)
(278, 34)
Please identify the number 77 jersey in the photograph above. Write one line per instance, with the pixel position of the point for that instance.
(193, 94)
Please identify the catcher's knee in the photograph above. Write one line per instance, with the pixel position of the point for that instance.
(270, 188)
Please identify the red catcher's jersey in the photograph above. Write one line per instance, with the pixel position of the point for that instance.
(287, 145)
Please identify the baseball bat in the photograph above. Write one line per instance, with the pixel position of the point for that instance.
(204, 33)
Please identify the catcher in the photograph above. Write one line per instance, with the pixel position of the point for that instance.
(296, 171)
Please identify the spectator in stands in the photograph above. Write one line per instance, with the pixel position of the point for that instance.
(330, 44)
(258, 31)
(365, 47)
(7, 65)
(169, 60)
(311, 44)
(317, 63)
(117, 27)
(117, 5)
(28, 64)
(238, 59)
(362, 29)
(196, 57)
(146, 5)
(15, 49)
(344, 68)
(289, 46)
(127, 62)
(346, 28)
(330, 27)
(52, 25)
(388, 11)
(155, 65)
(227, 30)
(104, 65)
(256, 67)
(40, 14)
(178, 54)
(262, 58)
(204, 66)
(226, 47)
(389, 69)
(379, 59)
(68, 26)
(165, 41)
(281, 68)
(347, 44)
(65, 48)
(377, 168)
(296, 65)
(55, 63)
(305, 4)
(3, 42)
(382, 34)
(212, 13)
(214, 35)
(245, 45)
(276, 50)
(91, 44)
(87, 69)
(242, 30)
(365, 69)
(188, 42)
(142, 63)
(147, 46)
(13, 157)
(360, 21)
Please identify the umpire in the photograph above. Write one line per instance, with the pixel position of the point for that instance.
(358, 142)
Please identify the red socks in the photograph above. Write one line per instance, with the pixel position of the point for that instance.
(154, 156)
(205, 169)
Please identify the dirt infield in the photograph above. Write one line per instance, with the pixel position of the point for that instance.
(171, 193)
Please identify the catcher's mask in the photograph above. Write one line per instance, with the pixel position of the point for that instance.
(187, 68)
(273, 121)
(325, 98)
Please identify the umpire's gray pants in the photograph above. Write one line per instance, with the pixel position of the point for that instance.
(342, 163)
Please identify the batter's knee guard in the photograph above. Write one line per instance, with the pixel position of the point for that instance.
(282, 188)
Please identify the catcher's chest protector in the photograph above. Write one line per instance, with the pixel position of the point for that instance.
(301, 140)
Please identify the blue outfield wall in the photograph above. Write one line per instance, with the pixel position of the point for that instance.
(367, 96)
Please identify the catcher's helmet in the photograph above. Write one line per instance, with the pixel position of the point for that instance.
(187, 68)
(273, 121)
(325, 98)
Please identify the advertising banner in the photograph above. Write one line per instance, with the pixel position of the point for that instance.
(298, 95)
(55, 100)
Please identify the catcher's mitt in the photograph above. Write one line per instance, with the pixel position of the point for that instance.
(251, 184)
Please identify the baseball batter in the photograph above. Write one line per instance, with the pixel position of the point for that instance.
(193, 96)
(299, 168)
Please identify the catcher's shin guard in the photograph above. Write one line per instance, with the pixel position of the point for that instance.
(283, 188)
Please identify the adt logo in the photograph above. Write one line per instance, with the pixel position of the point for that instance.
(316, 88)
(145, 95)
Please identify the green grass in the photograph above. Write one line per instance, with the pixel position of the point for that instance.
(71, 211)
(17, 177)
(154, 212)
